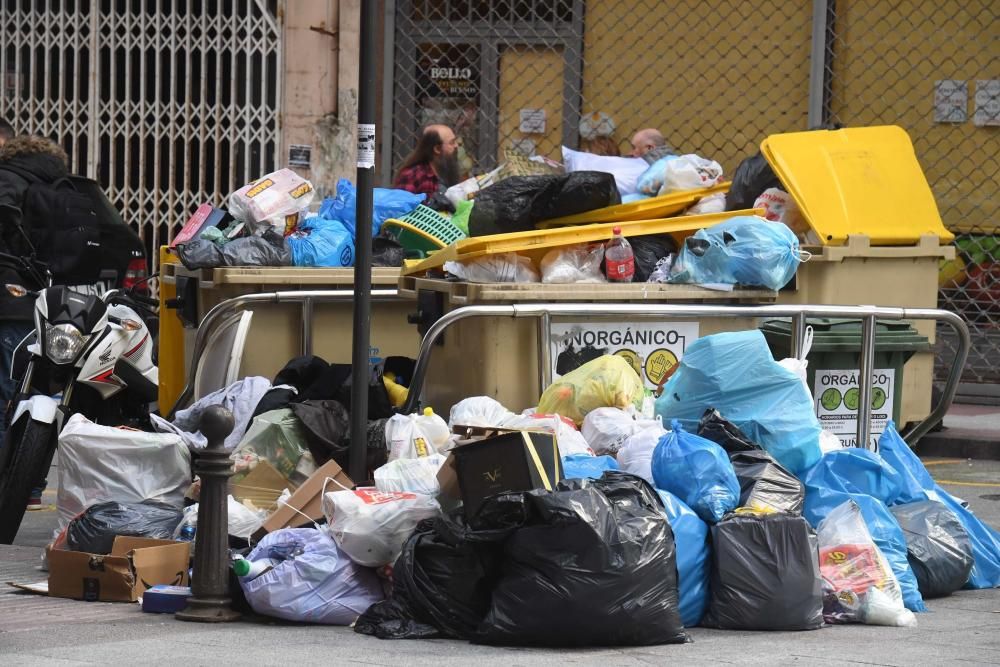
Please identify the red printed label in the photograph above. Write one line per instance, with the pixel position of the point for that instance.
(372, 497)
(620, 271)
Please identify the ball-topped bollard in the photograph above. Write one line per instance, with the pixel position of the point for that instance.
(209, 602)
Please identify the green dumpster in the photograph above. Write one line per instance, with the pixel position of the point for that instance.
(833, 370)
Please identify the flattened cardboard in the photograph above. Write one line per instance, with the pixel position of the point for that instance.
(134, 565)
(307, 499)
(262, 486)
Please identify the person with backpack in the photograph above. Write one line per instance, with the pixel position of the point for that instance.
(26, 163)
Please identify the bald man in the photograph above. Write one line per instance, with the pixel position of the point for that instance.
(646, 140)
(433, 165)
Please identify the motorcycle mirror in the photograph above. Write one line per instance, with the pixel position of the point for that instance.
(131, 325)
(16, 290)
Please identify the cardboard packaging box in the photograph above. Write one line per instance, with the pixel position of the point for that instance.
(307, 500)
(134, 565)
(500, 461)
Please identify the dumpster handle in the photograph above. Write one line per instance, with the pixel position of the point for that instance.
(799, 313)
(214, 317)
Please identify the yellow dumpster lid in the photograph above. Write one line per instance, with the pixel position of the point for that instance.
(861, 180)
(654, 208)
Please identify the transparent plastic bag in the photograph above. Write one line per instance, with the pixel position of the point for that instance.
(503, 268)
(478, 411)
(676, 173)
(371, 526)
(858, 583)
(607, 429)
(569, 440)
(279, 438)
(574, 264)
(608, 381)
(414, 436)
(711, 204)
(417, 475)
(242, 521)
(271, 197)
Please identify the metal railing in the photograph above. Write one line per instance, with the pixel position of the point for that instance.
(306, 299)
(799, 315)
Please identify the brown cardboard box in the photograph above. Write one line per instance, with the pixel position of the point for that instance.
(134, 565)
(307, 499)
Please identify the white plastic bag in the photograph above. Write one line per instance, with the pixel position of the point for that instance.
(270, 198)
(459, 193)
(711, 204)
(414, 475)
(661, 272)
(626, 170)
(689, 172)
(371, 526)
(243, 521)
(312, 582)
(636, 453)
(579, 263)
(414, 436)
(478, 411)
(779, 206)
(858, 583)
(101, 463)
(503, 268)
(605, 429)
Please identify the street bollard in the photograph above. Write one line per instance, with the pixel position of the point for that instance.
(209, 601)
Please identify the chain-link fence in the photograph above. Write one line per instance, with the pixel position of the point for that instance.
(716, 78)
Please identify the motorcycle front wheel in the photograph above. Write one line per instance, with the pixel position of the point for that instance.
(22, 466)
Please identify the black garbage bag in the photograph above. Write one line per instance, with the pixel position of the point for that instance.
(648, 250)
(713, 426)
(592, 565)
(765, 574)
(439, 202)
(765, 484)
(751, 178)
(386, 251)
(518, 203)
(200, 254)
(937, 546)
(95, 530)
(443, 581)
(570, 359)
(327, 425)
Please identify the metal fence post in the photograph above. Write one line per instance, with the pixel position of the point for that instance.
(209, 602)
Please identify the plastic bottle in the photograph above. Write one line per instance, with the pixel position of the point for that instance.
(251, 570)
(435, 428)
(619, 261)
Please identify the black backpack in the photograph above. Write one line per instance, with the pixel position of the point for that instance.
(63, 227)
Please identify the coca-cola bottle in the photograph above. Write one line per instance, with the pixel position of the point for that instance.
(619, 261)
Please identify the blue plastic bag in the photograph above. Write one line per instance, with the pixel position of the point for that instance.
(736, 374)
(584, 466)
(917, 484)
(697, 471)
(321, 242)
(652, 179)
(388, 203)
(845, 475)
(691, 538)
(746, 250)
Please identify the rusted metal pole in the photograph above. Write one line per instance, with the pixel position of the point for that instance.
(209, 602)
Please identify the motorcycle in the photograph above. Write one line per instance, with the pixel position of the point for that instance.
(87, 354)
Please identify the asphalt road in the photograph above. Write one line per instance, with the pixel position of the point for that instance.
(961, 629)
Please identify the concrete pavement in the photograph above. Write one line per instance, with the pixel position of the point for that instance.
(961, 629)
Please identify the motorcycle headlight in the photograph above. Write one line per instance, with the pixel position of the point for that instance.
(63, 342)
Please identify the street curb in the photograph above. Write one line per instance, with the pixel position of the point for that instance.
(966, 447)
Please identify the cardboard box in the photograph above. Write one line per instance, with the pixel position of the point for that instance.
(262, 486)
(307, 500)
(504, 461)
(134, 565)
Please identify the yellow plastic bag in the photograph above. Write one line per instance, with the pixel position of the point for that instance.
(605, 382)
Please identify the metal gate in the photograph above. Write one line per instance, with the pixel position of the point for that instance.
(167, 103)
(716, 78)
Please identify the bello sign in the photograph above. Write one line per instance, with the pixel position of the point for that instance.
(652, 349)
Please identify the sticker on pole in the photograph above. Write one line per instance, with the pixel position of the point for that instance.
(366, 145)
(838, 398)
(652, 349)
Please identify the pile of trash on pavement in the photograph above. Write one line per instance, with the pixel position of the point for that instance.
(596, 517)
